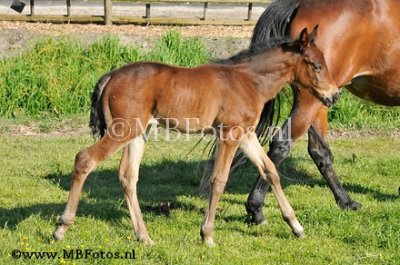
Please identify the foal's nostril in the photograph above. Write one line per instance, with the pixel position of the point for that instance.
(335, 98)
(327, 101)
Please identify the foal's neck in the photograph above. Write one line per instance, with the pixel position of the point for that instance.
(274, 69)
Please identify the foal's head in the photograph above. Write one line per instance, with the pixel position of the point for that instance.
(312, 72)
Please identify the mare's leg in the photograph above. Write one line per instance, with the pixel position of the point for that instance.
(128, 175)
(303, 112)
(85, 162)
(225, 153)
(320, 152)
(254, 151)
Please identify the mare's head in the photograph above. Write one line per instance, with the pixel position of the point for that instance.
(311, 71)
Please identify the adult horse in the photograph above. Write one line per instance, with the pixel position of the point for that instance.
(361, 44)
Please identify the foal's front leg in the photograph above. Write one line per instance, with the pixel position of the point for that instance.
(225, 153)
(305, 107)
(129, 175)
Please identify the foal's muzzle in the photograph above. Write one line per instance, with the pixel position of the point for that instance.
(329, 101)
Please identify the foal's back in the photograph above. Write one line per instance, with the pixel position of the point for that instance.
(195, 98)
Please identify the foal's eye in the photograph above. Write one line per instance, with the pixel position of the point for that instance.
(316, 66)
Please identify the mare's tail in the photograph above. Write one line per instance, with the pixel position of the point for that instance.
(274, 22)
(272, 26)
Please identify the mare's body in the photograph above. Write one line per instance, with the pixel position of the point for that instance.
(361, 44)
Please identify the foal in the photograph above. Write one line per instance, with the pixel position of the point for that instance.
(227, 97)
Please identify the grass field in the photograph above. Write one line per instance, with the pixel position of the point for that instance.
(35, 172)
(48, 88)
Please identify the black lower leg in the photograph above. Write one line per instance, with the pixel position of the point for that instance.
(279, 149)
(322, 156)
(255, 201)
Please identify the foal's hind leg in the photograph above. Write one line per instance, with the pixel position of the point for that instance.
(85, 161)
(225, 153)
(128, 175)
(254, 151)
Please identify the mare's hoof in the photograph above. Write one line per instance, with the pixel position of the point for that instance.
(350, 205)
(263, 222)
(256, 217)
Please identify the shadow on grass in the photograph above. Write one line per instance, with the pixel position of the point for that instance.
(290, 167)
(357, 188)
(159, 189)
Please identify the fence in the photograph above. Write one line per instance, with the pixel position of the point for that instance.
(109, 19)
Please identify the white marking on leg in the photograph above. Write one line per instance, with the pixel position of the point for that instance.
(254, 151)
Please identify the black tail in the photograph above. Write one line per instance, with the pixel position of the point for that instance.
(273, 24)
(97, 123)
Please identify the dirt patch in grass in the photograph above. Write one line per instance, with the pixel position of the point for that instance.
(222, 41)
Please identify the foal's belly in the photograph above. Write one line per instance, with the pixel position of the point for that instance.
(378, 90)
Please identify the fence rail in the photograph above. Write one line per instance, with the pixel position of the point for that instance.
(108, 18)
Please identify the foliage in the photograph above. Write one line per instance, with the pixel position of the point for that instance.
(57, 76)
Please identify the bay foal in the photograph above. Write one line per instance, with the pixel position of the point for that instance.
(229, 97)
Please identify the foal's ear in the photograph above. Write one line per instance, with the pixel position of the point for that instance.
(313, 35)
(304, 39)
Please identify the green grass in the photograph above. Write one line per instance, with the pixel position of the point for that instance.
(353, 113)
(35, 172)
(49, 88)
(57, 76)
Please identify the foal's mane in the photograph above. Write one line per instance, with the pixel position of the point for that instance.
(255, 50)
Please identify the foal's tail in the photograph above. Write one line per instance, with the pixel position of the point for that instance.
(97, 123)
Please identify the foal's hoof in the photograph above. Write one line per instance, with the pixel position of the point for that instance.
(209, 242)
(148, 242)
(350, 205)
(59, 233)
(299, 234)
